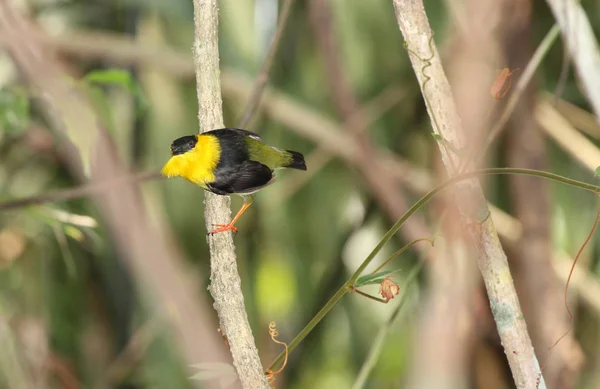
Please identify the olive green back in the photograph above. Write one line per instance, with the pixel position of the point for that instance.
(267, 155)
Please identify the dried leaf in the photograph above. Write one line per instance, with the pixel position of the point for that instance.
(388, 289)
(502, 83)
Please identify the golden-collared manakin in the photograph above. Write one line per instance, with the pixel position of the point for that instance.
(229, 161)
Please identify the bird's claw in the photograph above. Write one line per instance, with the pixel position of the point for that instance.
(222, 228)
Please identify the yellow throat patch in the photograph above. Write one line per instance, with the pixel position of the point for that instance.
(197, 165)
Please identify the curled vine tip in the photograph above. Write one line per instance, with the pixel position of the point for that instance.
(270, 374)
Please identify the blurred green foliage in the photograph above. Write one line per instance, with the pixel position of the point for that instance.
(292, 255)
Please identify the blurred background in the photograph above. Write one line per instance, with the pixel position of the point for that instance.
(96, 296)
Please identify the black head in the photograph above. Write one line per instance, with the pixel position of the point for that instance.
(183, 144)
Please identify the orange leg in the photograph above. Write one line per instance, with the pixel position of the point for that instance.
(230, 226)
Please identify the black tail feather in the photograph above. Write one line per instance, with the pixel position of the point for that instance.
(297, 161)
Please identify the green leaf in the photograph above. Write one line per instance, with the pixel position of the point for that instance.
(74, 233)
(111, 77)
(373, 279)
(122, 78)
(14, 110)
(102, 106)
(92, 84)
(597, 172)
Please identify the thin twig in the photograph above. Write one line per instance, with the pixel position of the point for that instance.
(354, 289)
(119, 49)
(572, 141)
(584, 282)
(399, 252)
(371, 111)
(515, 95)
(377, 345)
(341, 292)
(77, 192)
(582, 119)
(225, 286)
(564, 75)
(380, 181)
(63, 371)
(530, 201)
(265, 69)
(135, 349)
(566, 292)
(582, 45)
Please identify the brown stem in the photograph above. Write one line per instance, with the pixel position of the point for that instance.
(378, 179)
(265, 69)
(582, 44)
(225, 285)
(535, 278)
(446, 122)
(367, 295)
(77, 192)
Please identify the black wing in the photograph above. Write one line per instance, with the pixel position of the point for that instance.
(247, 177)
(234, 148)
(245, 133)
(233, 131)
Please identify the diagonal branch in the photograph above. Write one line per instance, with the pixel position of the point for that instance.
(225, 284)
(534, 276)
(263, 76)
(77, 192)
(492, 261)
(380, 181)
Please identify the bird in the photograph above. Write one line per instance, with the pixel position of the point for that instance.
(229, 161)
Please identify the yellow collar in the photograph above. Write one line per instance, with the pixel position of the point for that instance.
(197, 165)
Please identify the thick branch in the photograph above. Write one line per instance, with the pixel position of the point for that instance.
(225, 284)
(535, 278)
(493, 265)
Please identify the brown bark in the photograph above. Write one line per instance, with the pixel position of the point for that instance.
(225, 286)
(536, 281)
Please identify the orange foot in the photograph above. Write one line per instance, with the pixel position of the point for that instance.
(223, 228)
